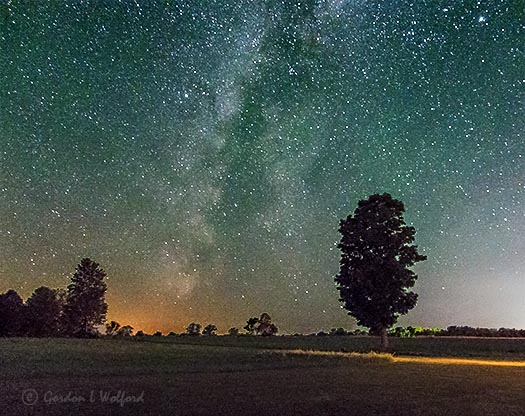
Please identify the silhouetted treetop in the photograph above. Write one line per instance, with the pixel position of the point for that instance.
(85, 300)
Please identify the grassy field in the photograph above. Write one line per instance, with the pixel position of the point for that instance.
(260, 376)
(503, 348)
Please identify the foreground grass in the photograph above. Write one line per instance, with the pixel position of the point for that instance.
(257, 378)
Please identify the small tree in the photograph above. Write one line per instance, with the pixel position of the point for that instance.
(265, 326)
(125, 331)
(338, 331)
(43, 313)
(376, 256)
(112, 328)
(250, 325)
(209, 329)
(193, 329)
(85, 300)
(233, 331)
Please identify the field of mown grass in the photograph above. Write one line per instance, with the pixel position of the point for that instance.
(259, 376)
(503, 348)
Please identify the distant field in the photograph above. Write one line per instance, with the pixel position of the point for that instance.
(258, 376)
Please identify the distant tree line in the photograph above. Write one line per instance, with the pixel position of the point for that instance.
(262, 326)
(339, 332)
(195, 329)
(457, 331)
(467, 331)
(415, 331)
(75, 312)
(254, 326)
(411, 331)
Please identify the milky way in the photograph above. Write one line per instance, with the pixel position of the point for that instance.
(204, 151)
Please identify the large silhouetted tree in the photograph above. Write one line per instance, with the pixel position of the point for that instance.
(12, 314)
(85, 306)
(43, 312)
(376, 256)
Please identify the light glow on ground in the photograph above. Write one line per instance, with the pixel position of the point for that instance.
(458, 361)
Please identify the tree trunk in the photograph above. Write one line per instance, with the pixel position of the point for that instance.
(384, 339)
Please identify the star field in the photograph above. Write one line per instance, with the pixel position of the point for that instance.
(203, 152)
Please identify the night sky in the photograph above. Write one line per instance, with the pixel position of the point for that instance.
(203, 152)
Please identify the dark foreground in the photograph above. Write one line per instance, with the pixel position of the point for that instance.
(252, 377)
